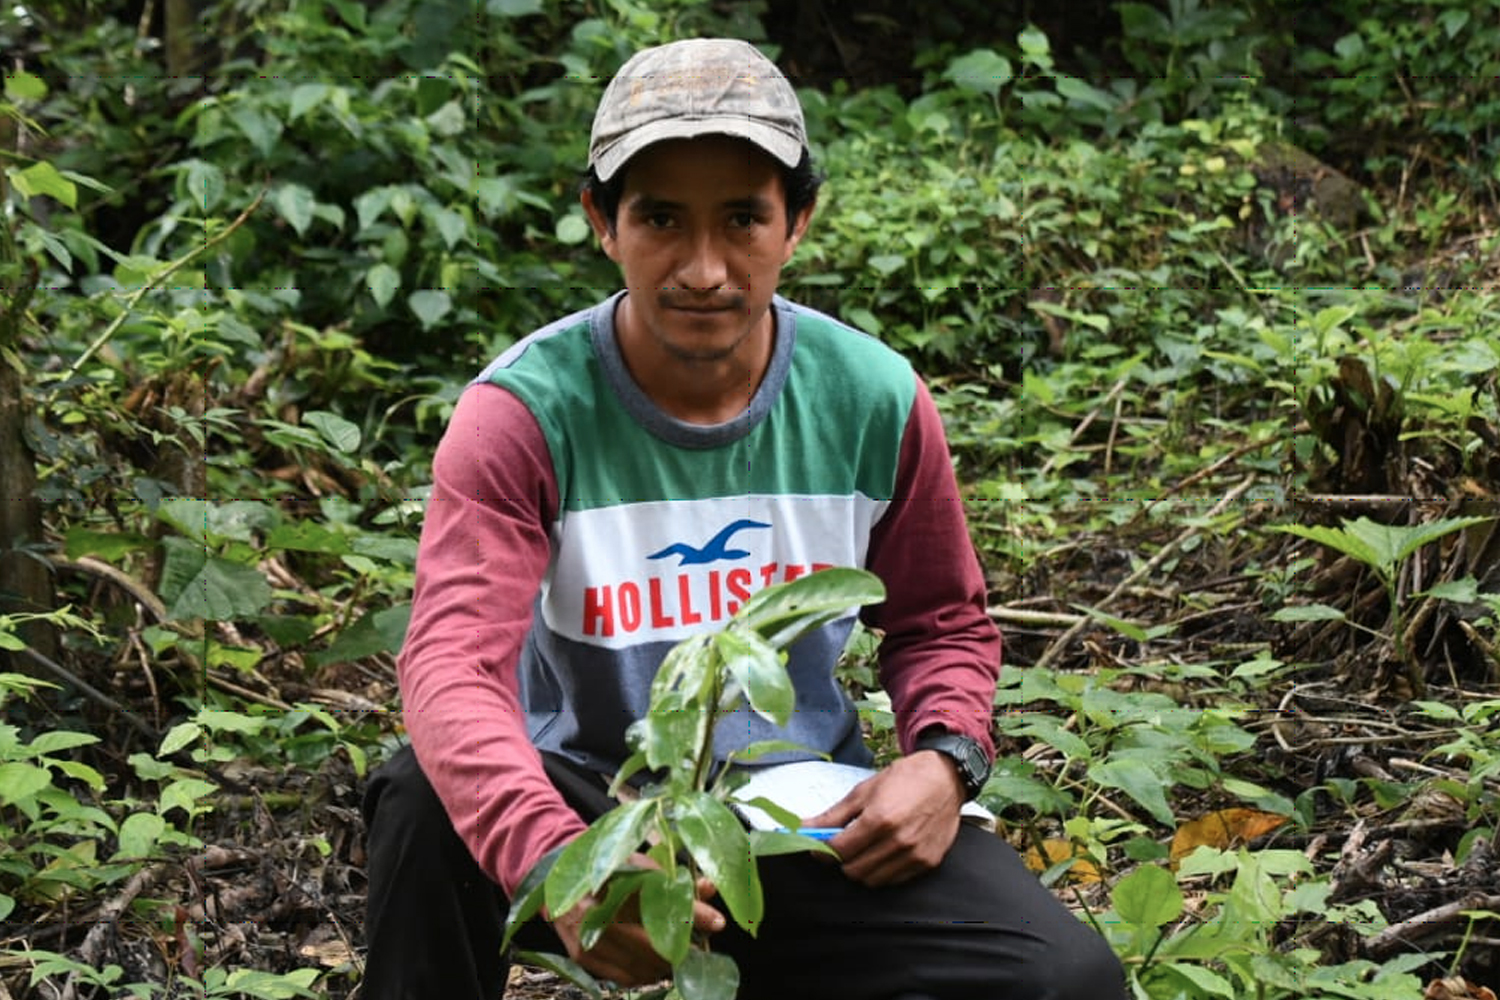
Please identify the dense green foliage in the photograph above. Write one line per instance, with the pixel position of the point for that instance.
(1241, 246)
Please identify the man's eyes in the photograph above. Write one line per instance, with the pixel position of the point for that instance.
(666, 220)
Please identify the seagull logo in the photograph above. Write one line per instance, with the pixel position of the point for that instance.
(716, 550)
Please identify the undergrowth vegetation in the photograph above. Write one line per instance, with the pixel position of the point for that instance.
(1212, 313)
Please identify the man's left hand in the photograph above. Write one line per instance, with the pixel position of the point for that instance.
(899, 823)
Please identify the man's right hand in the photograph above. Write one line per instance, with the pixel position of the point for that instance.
(623, 954)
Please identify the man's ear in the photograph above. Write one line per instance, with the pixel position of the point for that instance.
(799, 230)
(604, 229)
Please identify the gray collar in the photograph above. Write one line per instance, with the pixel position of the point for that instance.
(679, 432)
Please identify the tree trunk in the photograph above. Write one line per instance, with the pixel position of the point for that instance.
(185, 56)
(25, 582)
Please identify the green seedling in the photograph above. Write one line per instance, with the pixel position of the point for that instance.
(684, 811)
(1384, 548)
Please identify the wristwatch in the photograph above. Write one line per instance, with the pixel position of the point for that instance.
(972, 762)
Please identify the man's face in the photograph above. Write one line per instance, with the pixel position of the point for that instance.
(701, 237)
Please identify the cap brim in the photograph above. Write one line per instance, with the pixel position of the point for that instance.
(785, 148)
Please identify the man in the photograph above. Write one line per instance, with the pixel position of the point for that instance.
(626, 477)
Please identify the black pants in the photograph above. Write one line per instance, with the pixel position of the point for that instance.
(979, 927)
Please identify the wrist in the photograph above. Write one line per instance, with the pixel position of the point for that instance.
(970, 765)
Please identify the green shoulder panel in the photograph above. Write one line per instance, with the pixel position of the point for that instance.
(855, 396)
(834, 430)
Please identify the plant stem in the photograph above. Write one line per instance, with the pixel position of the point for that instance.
(154, 282)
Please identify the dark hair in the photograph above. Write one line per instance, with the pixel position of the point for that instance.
(801, 184)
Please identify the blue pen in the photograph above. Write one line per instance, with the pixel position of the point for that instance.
(823, 833)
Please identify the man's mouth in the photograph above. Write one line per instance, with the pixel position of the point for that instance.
(706, 308)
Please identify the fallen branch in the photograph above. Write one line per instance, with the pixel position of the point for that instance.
(58, 670)
(1424, 924)
(92, 950)
(1044, 619)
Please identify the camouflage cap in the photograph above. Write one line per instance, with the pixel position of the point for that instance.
(696, 87)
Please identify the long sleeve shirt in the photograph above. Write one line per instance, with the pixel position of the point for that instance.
(576, 532)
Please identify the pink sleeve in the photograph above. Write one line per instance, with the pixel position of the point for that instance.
(483, 553)
(940, 657)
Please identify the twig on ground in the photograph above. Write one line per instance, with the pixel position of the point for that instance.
(1084, 425)
(58, 670)
(1209, 470)
(1427, 922)
(1058, 645)
(92, 950)
(1020, 616)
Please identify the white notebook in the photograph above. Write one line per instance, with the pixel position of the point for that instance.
(807, 787)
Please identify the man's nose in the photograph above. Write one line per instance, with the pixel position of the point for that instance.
(705, 267)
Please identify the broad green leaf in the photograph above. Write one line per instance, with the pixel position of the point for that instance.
(1336, 539)
(138, 835)
(308, 536)
(197, 585)
(667, 912)
(1307, 613)
(1033, 42)
(572, 229)
(770, 843)
(1205, 981)
(187, 515)
(1463, 591)
(178, 737)
(184, 794)
(450, 225)
(23, 86)
(379, 631)
(384, 280)
(983, 71)
(342, 434)
(1136, 779)
(372, 204)
(1050, 731)
(721, 848)
(706, 975)
(1148, 897)
(757, 667)
(1075, 89)
(271, 985)
(596, 854)
(219, 721)
(261, 129)
(43, 179)
(7, 904)
(204, 184)
(527, 901)
(305, 97)
(56, 742)
(20, 782)
(1129, 629)
(81, 772)
(296, 204)
(601, 914)
(783, 612)
(1414, 537)
(566, 968)
(106, 545)
(669, 734)
(429, 305)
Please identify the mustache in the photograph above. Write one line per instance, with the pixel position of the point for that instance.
(676, 300)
